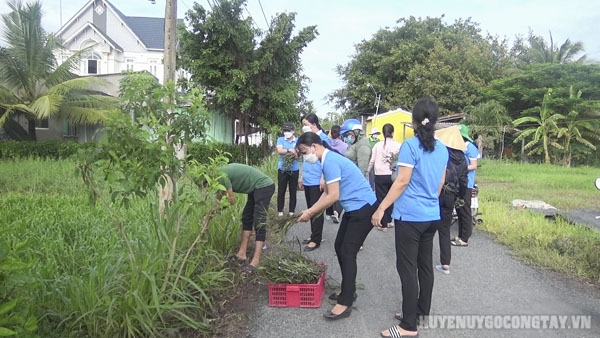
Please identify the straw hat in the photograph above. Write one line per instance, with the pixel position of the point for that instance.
(451, 138)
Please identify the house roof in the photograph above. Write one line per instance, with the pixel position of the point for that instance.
(149, 30)
(98, 31)
(391, 112)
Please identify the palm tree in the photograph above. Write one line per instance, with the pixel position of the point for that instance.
(540, 52)
(32, 84)
(488, 120)
(541, 127)
(578, 127)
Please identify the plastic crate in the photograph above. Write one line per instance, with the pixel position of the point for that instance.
(297, 295)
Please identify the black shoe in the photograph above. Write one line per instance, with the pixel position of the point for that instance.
(308, 248)
(334, 296)
(331, 316)
(306, 241)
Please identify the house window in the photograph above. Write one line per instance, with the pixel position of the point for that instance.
(92, 64)
(153, 66)
(41, 124)
(129, 64)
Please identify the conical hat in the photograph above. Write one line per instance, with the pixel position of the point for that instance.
(451, 138)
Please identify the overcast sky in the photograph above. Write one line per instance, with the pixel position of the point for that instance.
(344, 23)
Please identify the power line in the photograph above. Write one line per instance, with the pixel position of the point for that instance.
(263, 13)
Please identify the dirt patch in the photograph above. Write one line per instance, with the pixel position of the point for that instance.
(234, 308)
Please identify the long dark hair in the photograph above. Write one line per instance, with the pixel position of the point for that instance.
(425, 114)
(388, 131)
(335, 132)
(312, 118)
(308, 139)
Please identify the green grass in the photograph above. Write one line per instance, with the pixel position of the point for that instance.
(554, 244)
(86, 282)
(86, 286)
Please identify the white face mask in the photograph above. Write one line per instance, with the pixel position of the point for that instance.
(306, 129)
(310, 158)
(288, 134)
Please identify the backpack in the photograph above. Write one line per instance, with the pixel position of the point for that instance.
(456, 173)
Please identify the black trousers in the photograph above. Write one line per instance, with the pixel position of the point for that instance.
(446, 207)
(254, 215)
(353, 230)
(285, 179)
(383, 183)
(465, 218)
(312, 194)
(414, 246)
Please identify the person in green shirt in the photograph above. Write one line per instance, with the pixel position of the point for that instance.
(244, 179)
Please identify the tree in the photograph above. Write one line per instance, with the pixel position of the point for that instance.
(578, 126)
(540, 51)
(522, 90)
(421, 57)
(489, 120)
(258, 82)
(33, 85)
(542, 127)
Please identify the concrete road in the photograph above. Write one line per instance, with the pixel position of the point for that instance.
(487, 288)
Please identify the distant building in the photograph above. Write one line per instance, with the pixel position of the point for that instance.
(117, 43)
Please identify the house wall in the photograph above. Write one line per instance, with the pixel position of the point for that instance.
(221, 128)
(397, 118)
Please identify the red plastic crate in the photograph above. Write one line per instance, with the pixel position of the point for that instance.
(297, 295)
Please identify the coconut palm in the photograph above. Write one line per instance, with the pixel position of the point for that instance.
(541, 52)
(542, 127)
(577, 127)
(32, 84)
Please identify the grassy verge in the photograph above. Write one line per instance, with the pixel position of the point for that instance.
(557, 245)
(82, 281)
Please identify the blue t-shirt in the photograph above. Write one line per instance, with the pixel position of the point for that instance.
(471, 154)
(311, 172)
(355, 191)
(287, 144)
(419, 202)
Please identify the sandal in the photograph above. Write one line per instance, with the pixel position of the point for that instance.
(394, 332)
(248, 270)
(459, 242)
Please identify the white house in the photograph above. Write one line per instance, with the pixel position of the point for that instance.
(120, 42)
(117, 43)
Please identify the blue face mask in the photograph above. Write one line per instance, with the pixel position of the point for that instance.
(349, 139)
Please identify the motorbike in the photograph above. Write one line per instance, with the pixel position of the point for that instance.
(474, 208)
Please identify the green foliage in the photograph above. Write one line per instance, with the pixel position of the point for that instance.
(11, 150)
(541, 127)
(16, 318)
(490, 121)
(421, 57)
(238, 153)
(284, 265)
(257, 82)
(525, 89)
(86, 285)
(536, 50)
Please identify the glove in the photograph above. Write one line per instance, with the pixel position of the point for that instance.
(459, 203)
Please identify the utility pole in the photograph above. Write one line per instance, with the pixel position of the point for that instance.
(170, 40)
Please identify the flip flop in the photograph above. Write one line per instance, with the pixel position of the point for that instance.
(395, 333)
(459, 242)
(248, 270)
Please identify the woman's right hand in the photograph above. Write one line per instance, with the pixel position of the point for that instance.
(376, 218)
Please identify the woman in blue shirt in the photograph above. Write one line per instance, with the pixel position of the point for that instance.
(414, 194)
(346, 183)
(311, 181)
(287, 173)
